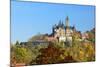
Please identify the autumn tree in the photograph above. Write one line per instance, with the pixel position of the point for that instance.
(20, 55)
(52, 54)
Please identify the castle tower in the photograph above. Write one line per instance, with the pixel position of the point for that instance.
(68, 33)
(67, 21)
(67, 25)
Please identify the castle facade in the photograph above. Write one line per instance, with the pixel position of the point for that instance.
(63, 32)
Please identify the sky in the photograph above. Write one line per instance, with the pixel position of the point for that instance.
(31, 18)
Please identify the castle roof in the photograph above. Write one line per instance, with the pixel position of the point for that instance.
(61, 25)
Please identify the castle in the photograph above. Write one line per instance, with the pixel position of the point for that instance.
(60, 32)
(63, 33)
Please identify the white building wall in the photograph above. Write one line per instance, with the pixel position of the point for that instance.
(62, 38)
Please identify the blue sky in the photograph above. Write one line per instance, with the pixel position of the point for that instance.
(30, 18)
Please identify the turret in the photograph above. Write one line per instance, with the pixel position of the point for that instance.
(67, 25)
(67, 21)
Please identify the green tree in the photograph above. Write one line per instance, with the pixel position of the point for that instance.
(17, 43)
(37, 37)
(21, 54)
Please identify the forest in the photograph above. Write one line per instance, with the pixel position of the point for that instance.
(54, 52)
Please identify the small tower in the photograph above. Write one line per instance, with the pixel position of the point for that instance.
(74, 29)
(67, 21)
(67, 25)
(68, 33)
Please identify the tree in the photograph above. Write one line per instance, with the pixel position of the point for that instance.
(38, 37)
(21, 55)
(17, 43)
(91, 35)
(89, 51)
(53, 54)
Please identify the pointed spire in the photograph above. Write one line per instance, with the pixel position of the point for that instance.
(59, 23)
(67, 18)
(74, 25)
(74, 29)
(62, 23)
